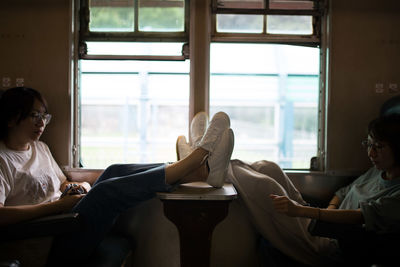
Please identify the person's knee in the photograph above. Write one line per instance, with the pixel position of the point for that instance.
(270, 165)
(112, 169)
(269, 168)
(101, 188)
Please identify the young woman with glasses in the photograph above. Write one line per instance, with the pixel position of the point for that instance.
(282, 217)
(373, 199)
(31, 182)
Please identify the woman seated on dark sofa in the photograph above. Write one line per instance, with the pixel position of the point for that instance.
(31, 181)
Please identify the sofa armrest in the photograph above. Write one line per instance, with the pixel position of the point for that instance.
(44, 226)
(82, 175)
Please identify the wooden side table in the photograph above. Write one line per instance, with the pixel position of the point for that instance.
(195, 209)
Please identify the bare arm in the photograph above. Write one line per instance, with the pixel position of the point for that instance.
(334, 203)
(15, 214)
(284, 205)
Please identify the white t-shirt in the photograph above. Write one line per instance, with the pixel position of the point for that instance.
(29, 177)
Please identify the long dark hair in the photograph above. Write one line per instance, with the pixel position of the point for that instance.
(386, 128)
(16, 104)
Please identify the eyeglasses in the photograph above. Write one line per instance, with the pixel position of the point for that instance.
(371, 145)
(38, 117)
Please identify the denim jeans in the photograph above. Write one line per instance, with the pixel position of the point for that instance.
(120, 187)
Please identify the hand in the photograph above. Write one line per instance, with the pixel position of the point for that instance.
(285, 205)
(68, 201)
(75, 188)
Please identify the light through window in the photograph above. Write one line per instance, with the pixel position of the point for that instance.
(131, 111)
(270, 91)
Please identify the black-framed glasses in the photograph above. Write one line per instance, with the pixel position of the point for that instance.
(37, 117)
(368, 144)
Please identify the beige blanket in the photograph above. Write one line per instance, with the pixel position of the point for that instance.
(255, 182)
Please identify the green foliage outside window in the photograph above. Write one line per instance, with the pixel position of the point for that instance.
(150, 19)
(111, 19)
(161, 19)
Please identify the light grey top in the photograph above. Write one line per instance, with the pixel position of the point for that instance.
(378, 199)
(200, 191)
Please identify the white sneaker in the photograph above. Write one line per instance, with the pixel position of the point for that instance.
(183, 149)
(218, 161)
(198, 127)
(218, 124)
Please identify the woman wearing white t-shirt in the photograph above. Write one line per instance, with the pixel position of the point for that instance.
(31, 181)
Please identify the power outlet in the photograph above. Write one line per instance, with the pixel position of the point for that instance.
(6, 82)
(19, 82)
(393, 88)
(379, 89)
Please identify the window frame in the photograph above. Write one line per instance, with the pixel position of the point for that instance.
(319, 39)
(85, 35)
(313, 40)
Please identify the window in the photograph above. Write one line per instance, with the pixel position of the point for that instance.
(265, 73)
(134, 79)
(133, 92)
(281, 21)
(270, 92)
(131, 111)
(131, 16)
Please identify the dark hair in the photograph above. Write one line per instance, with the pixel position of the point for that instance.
(387, 129)
(16, 103)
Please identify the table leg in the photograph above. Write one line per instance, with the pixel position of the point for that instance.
(195, 220)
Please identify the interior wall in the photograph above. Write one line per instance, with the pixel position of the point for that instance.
(34, 45)
(364, 51)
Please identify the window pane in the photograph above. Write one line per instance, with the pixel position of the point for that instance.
(272, 100)
(291, 4)
(256, 4)
(111, 15)
(240, 23)
(152, 49)
(162, 15)
(132, 111)
(289, 24)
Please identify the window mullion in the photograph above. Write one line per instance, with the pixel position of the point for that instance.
(136, 17)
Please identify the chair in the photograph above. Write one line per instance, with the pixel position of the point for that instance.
(113, 250)
(45, 226)
(390, 106)
(20, 242)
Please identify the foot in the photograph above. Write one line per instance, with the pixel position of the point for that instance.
(218, 124)
(198, 175)
(198, 127)
(218, 161)
(183, 149)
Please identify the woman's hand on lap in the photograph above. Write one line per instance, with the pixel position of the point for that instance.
(285, 205)
(67, 202)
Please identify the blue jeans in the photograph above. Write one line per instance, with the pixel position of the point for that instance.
(120, 187)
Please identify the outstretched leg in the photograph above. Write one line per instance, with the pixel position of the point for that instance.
(183, 171)
(120, 187)
(123, 186)
(288, 234)
(272, 170)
